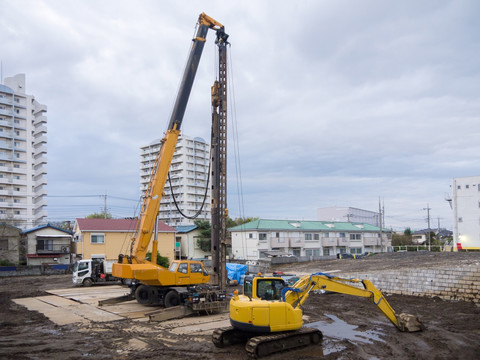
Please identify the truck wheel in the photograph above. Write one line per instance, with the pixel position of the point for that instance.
(87, 282)
(142, 295)
(171, 299)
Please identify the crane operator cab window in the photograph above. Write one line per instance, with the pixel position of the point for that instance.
(270, 289)
(195, 268)
(183, 268)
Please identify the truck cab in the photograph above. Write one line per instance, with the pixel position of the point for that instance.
(87, 272)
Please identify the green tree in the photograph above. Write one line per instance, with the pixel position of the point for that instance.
(161, 260)
(100, 215)
(407, 232)
(205, 240)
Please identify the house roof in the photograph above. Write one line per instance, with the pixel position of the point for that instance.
(182, 229)
(46, 226)
(125, 225)
(301, 225)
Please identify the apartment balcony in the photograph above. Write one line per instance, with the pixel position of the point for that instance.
(6, 123)
(7, 112)
(40, 129)
(39, 108)
(296, 242)
(343, 241)
(326, 242)
(5, 100)
(44, 249)
(40, 150)
(5, 145)
(40, 140)
(40, 120)
(41, 181)
(371, 241)
(39, 161)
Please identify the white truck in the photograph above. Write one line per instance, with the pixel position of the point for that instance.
(88, 272)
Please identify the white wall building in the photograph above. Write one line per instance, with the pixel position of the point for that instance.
(189, 174)
(348, 214)
(466, 212)
(23, 149)
(263, 238)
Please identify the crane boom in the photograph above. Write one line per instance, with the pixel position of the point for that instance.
(153, 196)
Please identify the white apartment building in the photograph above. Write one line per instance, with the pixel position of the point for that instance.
(188, 173)
(348, 214)
(23, 150)
(262, 238)
(466, 212)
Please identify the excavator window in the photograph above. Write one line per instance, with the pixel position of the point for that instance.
(270, 289)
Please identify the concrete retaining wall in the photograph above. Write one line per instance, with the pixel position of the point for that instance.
(34, 270)
(460, 283)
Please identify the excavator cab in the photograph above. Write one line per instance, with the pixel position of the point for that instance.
(263, 288)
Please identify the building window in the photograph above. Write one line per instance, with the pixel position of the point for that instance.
(3, 244)
(355, 236)
(262, 236)
(45, 244)
(316, 236)
(97, 239)
(342, 235)
(308, 236)
(355, 250)
(460, 219)
(467, 186)
(325, 235)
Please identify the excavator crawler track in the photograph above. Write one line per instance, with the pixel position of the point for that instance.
(260, 346)
(227, 336)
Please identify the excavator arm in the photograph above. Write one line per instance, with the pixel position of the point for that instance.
(299, 293)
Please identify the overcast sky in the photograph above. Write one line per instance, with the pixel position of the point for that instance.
(337, 103)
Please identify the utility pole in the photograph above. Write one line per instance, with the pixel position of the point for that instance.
(428, 219)
(380, 220)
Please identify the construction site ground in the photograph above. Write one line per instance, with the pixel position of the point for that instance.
(47, 317)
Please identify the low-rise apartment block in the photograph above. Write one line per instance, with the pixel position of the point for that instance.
(263, 238)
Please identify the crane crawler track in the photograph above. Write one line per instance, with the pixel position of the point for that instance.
(260, 346)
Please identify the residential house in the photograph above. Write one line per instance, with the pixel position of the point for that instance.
(186, 238)
(262, 238)
(107, 238)
(11, 244)
(47, 244)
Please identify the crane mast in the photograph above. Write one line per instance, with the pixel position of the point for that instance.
(219, 166)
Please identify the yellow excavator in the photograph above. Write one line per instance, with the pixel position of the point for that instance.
(154, 284)
(268, 316)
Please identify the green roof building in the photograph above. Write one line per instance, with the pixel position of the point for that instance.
(266, 238)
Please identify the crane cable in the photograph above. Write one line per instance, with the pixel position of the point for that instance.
(204, 197)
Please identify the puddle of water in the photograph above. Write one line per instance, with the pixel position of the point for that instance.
(339, 329)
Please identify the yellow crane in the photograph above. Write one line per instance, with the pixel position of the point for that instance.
(156, 284)
(269, 315)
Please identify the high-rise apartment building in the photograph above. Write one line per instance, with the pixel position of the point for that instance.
(466, 212)
(188, 174)
(23, 150)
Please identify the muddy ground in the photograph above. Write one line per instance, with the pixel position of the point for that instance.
(353, 328)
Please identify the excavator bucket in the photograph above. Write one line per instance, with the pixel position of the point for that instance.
(409, 323)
